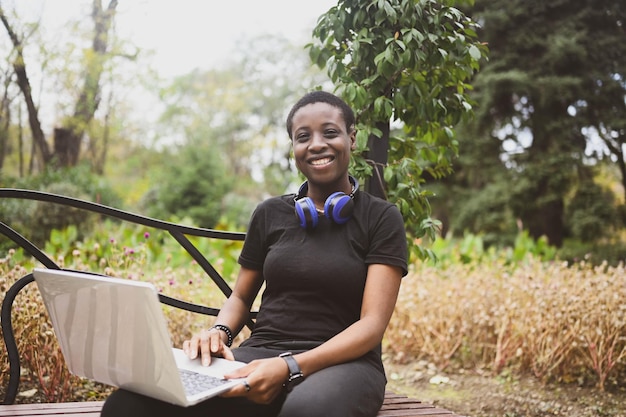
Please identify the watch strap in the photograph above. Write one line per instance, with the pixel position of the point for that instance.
(295, 373)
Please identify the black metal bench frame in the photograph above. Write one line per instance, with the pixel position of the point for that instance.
(178, 232)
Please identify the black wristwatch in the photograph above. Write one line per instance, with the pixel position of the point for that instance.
(295, 374)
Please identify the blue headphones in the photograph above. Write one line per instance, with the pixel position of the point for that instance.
(338, 206)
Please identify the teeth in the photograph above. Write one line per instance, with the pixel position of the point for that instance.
(321, 161)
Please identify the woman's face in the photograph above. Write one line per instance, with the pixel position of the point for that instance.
(322, 145)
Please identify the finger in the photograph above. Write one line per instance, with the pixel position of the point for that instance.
(192, 347)
(205, 348)
(216, 342)
(240, 390)
(228, 354)
(242, 372)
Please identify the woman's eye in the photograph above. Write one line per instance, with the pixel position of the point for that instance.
(302, 137)
(330, 133)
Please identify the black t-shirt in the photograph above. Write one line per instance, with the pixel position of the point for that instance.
(314, 279)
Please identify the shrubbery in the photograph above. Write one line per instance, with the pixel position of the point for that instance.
(40, 218)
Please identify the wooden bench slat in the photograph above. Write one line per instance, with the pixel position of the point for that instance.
(394, 406)
(78, 409)
(410, 412)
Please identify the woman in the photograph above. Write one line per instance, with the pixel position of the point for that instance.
(332, 273)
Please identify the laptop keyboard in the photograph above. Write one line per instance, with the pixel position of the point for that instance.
(195, 383)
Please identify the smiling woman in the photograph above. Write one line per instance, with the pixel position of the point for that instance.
(329, 290)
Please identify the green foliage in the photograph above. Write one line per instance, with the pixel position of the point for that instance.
(192, 187)
(611, 251)
(591, 214)
(551, 90)
(409, 63)
(486, 213)
(95, 187)
(472, 248)
(240, 111)
(41, 218)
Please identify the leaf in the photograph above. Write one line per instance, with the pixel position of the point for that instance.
(474, 52)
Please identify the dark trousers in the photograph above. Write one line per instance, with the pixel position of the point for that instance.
(353, 389)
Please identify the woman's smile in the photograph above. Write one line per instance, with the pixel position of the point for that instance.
(321, 161)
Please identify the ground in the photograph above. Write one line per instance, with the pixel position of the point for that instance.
(475, 395)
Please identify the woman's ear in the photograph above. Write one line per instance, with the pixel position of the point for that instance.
(353, 139)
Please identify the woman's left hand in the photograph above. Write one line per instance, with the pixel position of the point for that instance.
(264, 378)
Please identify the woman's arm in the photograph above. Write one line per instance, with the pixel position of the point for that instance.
(233, 314)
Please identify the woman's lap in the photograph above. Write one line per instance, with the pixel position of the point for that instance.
(124, 403)
(353, 389)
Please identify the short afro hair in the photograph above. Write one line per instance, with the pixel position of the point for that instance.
(322, 97)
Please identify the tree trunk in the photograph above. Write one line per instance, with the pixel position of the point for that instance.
(5, 123)
(68, 139)
(377, 156)
(19, 67)
(66, 146)
(546, 220)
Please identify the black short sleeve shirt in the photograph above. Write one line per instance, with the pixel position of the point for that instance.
(314, 279)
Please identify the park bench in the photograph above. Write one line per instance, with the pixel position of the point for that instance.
(394, 404)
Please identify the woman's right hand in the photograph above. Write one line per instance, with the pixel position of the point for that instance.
(207, 343)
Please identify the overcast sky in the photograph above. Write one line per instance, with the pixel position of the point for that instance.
(175, 29)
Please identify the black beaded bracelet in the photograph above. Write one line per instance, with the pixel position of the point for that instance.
(226, 330)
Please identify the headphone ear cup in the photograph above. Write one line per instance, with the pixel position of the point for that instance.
(339, 207)
(306, 213)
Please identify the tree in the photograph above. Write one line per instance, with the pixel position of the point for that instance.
(237, 114)
(68, 137)
(555, 77)
(406, 65)
(240, 109)
(192, 187)
(19, 67)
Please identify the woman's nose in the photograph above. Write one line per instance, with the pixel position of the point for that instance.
(317, 141)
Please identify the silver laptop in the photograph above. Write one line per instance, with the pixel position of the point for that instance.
(113, 331)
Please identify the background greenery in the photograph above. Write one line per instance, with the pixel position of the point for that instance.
(543, 153)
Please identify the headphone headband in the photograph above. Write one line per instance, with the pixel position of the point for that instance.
(305, 187)
(338, 206)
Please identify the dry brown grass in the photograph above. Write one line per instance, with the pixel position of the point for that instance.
(555, 321)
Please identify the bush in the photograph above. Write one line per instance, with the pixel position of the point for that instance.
(592, 213)
(193, 187)
(41, 218)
